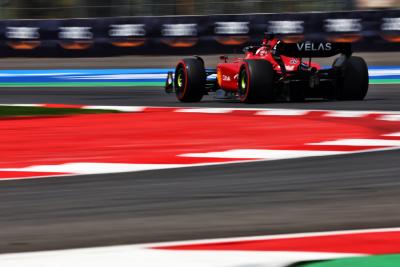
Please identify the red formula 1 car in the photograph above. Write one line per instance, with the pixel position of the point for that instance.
(275, 70)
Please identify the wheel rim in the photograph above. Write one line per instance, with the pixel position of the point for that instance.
(243, 83)
(180, 81)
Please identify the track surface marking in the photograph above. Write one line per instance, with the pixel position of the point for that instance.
(272, 251)
(160, 138)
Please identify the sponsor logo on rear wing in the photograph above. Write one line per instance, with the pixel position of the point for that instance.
(313, 49)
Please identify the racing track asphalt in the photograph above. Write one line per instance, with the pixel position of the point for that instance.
(380, 97)
(309, 194)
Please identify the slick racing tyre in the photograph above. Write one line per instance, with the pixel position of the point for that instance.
(190, 80)
(256, 82)
(353, 83)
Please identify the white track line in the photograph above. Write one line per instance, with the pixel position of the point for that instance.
(93, 168)
(360, 142)
(142, 255)
(171, 166)
(347, 114)
(283, 112)
(269, 237)
(393, 134)
(390, 117)
(119, 108)
(385, 115)
(128, 256)
(243, 156)
(204, 110)
(262, 154)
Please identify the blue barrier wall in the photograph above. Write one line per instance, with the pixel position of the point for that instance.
(367, 30)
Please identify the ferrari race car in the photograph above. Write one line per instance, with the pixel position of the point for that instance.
(275, 70)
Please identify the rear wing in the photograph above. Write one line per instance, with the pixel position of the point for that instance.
(313, 49)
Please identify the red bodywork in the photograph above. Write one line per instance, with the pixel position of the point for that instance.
(228, 71)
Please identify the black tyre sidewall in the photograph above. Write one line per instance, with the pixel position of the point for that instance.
(260, 81)
(354, 81)
(194, 80)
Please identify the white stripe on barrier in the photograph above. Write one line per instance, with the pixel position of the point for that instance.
(117, 77)
(83, 74)
(22, 105)
(55, 74)
(383, 72)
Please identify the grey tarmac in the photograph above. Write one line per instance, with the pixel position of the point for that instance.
(297, 195)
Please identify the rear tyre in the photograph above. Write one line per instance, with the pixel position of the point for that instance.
(256, 82)
(190, 80)
(353, 83)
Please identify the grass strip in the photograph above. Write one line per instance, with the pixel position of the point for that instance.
(384, 81)
(7, 111)
(392, 260)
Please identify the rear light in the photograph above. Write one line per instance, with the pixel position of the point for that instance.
(219, 77)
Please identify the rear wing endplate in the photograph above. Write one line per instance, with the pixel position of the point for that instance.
(313, 49)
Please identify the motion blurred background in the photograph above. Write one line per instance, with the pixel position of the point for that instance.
(117, 53)
(28, 9)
